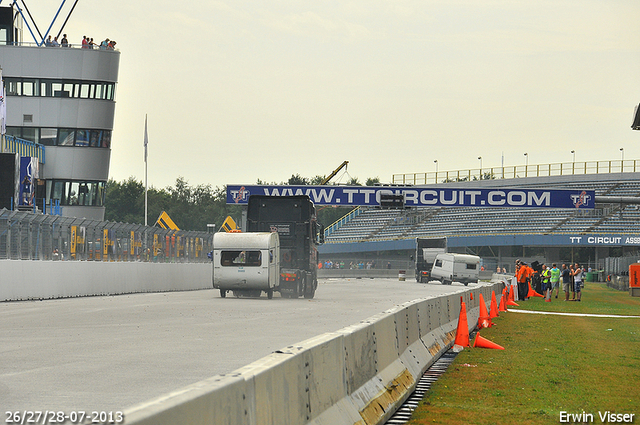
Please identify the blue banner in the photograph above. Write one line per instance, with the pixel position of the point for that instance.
(29, 168)
(435, 196)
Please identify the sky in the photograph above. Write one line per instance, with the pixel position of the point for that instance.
(237, 91)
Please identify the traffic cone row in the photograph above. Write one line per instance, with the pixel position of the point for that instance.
(484, 321)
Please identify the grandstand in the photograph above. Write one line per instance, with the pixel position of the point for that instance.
(500, 234)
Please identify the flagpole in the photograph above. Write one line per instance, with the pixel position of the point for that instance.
(146, 140)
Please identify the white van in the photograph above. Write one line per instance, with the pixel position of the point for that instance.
(449, 268)
(246, 263)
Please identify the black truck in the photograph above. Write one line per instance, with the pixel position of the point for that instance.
(294, 218)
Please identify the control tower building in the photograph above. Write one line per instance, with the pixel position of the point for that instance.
(60, 100)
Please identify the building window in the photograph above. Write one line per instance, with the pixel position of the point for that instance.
(76, 193)
(63, 136)
(14, 87)
(106, 139)
(29, 87)
(30, 133)
(82, 137)
(48, 136)
(66, 136)
(44, 87)
(96, 138)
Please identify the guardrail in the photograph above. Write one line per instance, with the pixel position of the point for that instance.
(30, 236)
(68, 46)
(517, 171)
(359, 374)
(342, 221)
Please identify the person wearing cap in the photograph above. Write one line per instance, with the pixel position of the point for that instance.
(522, 276)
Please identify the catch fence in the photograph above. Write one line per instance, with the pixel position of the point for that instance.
(32, 236)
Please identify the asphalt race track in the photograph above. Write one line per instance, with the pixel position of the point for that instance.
(108, 353)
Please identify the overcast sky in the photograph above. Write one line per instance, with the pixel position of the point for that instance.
(237, 91)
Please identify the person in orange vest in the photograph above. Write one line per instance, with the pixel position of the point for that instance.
(523, 275)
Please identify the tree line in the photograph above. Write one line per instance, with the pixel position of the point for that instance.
(193, 207)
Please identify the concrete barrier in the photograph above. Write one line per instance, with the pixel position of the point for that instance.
(357, 375)
(26, 280)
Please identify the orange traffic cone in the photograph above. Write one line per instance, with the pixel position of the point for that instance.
(494, 306)
(511, 301)
(462, 331)
(481, 342)
(503, 300)
(483, 321)
(533, 293)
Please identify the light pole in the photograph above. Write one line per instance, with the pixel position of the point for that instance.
(480, 158)
(436, 162)
(526, 164)
(574, 156)
(622, 150)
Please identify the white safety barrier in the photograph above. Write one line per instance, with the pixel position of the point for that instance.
(27, 280)
(357, 375)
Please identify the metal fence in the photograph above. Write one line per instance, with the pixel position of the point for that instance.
(618, 265)
(533, 170)
(29, 236)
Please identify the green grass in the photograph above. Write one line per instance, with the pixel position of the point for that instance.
(550, 364)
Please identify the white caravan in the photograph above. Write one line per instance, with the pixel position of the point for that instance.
(448, 268)
(246, 263)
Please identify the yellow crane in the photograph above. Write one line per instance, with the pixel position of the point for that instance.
(336, 171)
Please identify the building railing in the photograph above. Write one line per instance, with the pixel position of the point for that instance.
(68, 46)
(342, 221)
(518, 171)
(25, 148)
(29, 236)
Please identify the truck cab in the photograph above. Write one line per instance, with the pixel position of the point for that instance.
(426, 251)
(294, 219)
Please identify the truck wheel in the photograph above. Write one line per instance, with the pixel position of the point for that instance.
(270, 293)
(309, 294)
(466, 283)
(223, 293)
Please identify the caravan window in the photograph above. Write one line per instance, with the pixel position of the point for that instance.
(471, 266)
(438, 263)
(241, 258)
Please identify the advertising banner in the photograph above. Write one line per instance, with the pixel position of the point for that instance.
(73, 241)
(436, 196)
(29, 168)
(105, 243)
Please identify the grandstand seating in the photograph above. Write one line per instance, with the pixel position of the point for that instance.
(373, 224)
